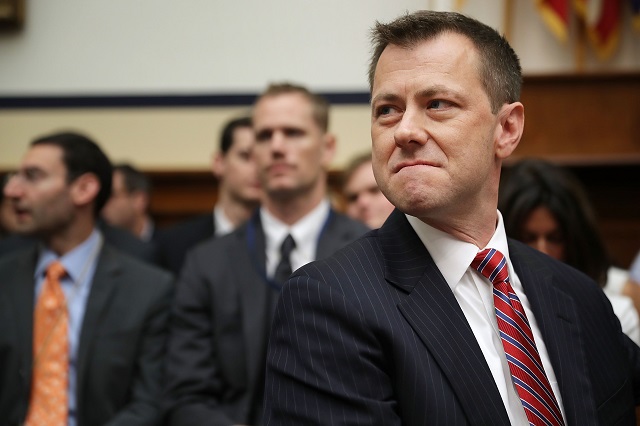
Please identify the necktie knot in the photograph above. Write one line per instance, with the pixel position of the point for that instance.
(492, 265)
(55, 271)
(284, 269)
(287, 247)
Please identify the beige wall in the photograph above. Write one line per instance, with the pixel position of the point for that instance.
(159, 138)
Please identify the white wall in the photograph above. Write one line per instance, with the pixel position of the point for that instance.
(103, 47)
(165, 46)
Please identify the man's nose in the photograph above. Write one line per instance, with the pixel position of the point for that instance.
(12, 188)
(412, 128)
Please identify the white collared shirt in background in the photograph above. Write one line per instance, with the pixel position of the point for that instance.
(305, 233)
(221, 223)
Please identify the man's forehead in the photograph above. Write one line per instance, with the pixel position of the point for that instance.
(445, 48)
(44, 157)
(289, 103)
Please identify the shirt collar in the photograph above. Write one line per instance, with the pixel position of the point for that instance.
(147, 230)
(222, 224)
(453, 256)
(307, 229)
(75, 261)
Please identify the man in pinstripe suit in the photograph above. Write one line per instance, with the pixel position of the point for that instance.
(397, 328)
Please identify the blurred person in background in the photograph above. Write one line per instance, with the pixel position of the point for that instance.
(88, 322)
(128, 206)
(547, 208)
(7, 215)
(238, 196)
(229, 286)
(363, 198)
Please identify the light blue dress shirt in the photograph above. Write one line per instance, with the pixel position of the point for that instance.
(80, 264)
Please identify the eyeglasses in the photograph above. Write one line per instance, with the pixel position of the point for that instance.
(29, 176)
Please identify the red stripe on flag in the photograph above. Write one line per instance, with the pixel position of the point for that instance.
(555, 14)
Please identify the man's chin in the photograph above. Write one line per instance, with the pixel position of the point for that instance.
(27, 230)
(283, 192)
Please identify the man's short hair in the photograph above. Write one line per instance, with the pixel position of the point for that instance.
(81, 155)
(320, 104)
(134, 180)
(499, 71)
(226, 137)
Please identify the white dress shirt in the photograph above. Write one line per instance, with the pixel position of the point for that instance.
(221, 223)
(474, 294)
(305, 233)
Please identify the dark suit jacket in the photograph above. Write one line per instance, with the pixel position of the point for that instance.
(222, 313)
(122, 341)
(174, 242)
(374, 336)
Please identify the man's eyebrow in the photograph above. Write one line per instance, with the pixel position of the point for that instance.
(437, 90)
(31, 169)
(388, 97)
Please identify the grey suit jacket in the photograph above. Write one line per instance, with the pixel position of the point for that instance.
(222, 313)
(374, 336)
(122, 340)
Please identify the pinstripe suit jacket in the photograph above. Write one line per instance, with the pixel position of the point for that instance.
(374, 336)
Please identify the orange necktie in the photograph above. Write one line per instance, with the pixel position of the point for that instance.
(48, 405)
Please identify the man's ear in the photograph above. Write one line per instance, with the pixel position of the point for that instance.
(217, 165)
(85, 189)
(329, 149)
(141, 201)
(509, 130)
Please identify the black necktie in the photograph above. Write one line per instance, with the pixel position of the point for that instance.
(283, 270)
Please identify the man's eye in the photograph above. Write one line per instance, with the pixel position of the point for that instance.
(438, 104)
(384, 110)
(263, 136)
(352, 198)
(294, 133)
(33, 175)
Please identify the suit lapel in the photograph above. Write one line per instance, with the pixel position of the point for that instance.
(256, 295)
(557, 318)
(434, 314)
(102, 290)
(331, 238)
(22, 299)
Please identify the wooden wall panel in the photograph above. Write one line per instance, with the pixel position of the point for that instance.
(587, 119)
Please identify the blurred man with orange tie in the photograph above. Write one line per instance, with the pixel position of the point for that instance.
(84, 325)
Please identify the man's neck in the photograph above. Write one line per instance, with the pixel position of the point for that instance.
(69, 238)
(236, 211)
(476, 230)
(290, 211)
(139, 226)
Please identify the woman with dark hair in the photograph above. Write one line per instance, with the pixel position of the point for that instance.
(546, 207)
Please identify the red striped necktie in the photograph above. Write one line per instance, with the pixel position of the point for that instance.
(527, 372)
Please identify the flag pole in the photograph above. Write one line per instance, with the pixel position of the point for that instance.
(506, 19)
(580, 45)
